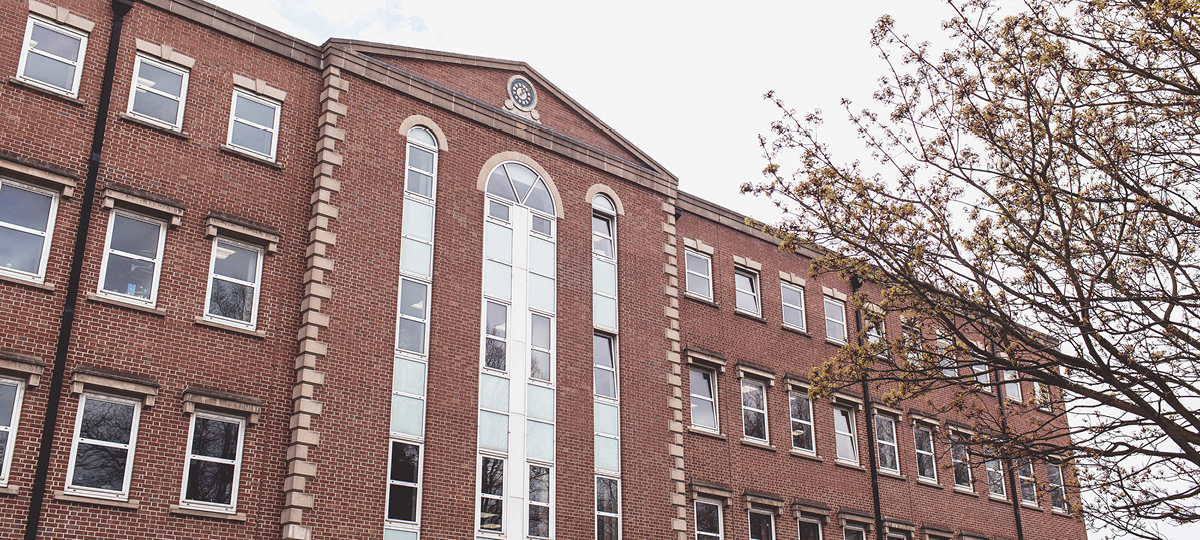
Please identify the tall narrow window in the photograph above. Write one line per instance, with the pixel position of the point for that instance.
(885, 439)
(792, 297)
(608, 508)
(754, 410)
(962, 464)
(1056, 486)
(762, 525)
(995, 476)
(604, 367)
(946, 357)
(835, 320)
(847, 439)
(802, 424)
(254, 124)
(404, 482)
(233, 283)
(11, 393)
(746, 284)
(491, 494)
(53, 56)
(539, 502)
(709, 525)
(704, 399)
(1027, 482)
(102, 448)
(699, 274)
(982, 375)
(496, 331)
(1041, 395)
(27, 218)
(540, 343)
(1012, 385)
(158, 92)
(604, 263)
(926, 458)
(214, 463)
(132, 258)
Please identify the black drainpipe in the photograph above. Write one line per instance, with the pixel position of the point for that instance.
(1008, 463)
(120, 9)
(855, 284)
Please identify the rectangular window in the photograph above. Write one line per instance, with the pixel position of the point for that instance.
(539, 501)
(254, 124)
(835, 320)
(132, 258)
(809, 529)
(793, 305)
(26, 226)
(11, 393)
(102, 446)
(608, 508)
(853, 533)
(885, 438)
(982, 376)
(754, 410)
(847, 440)
(1041, 395)
(995, 477)
(52, 57)
(926, 459)
(709, 525)
(495, 345)
(962, 464)
(604, 366)
(491, 494)
(158, 92)
(1056, 486)
(413, 316)
(1012, 386)
(1025, 479)
(699, 274)
(539, 348)
(214, 463)
(704, 399)
(802, 425)
(233, 283)
(762, 525)
(404, 482)
(746, 284)
(946, 357)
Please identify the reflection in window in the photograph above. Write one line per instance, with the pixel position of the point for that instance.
(214, 462)
(26, 224)
(102, 449)
(158, 93)
(132, 257)
(608, 508)
(704, 400)
(53, 56)
(404, 482)
(233, 282)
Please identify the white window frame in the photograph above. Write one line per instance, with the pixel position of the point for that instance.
(716, 427)
(1012, 386)
(720, 534)
(762, 387)
(820, 532)
(48, 235)
(1041, 395)
(257, 285)
(783, 285)
(409, 166)
(993, 466)
(687, 270)
(882, 445)
(550, 496)
(262, 100)
(1060, 488)
(749, 526)
(122, 495)
(177, 125)
(11, 428)
(983, 376)
(184, 502)
(812, 433)
(755, 293)
(946, 360)
(853, 433)
(399, 523)
(932, 453)
(615, 369)
(479, 494)
(424, 322)
(1026, 480)
(27, 49)
(825, 313)
(616, 515)
(108, 251)
(965, 462)
(861, 531)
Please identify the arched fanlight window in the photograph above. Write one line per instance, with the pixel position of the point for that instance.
(422, 162)
(518, 183)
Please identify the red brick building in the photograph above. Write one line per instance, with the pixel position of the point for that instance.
(255, 288)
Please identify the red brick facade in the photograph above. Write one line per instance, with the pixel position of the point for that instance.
(312, 378)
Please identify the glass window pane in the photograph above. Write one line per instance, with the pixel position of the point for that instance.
(499, 186)
(604, 311)
(420, 159)
(699, 285)
(155, 106)
(418, 220)
(100, 467)
(491, 477)
(412, 298)
(607, 527)
(498, 242)
(541, 403)
(20, 251)
(408, 415)
(601, 202)
(408, 377)
(605, 383)
(235, 262)
(215, 438)
(539, 439)
(497, 280)
(106, 421)
(415, 256)
(251, 138)
(405, 460)
(607, 496)
(498, 210)
(522, 178)
(135, 237)
(708, 518)
(539, 199)
(541, 332)
(48, 70)
(606, 418)
(253, 111)
(810, 530)
(493, 392)
(495, 354)
(539, 484)
(52, 41)
(493, 431)
(761, 526)
(411, 336)
(24, 208)
(885, 429)
(161, 80)
(231, 300)
(402, 502)
(210, 482)
(602, 351)
(8, 400)
(925, 465)
(541, 256)
(420, 134)
(755, 424)
(539, 365)
(393, 534)
(604, 277)
(701, 383)
(697, 264)
(541, 225)
(497, 320)
(419, 183)
(752, 395)
(608, 453)
(130, 277)
(541, 293)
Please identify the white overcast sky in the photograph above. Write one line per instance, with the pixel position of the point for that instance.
(683, 81)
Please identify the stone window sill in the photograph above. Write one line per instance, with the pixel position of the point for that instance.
(1031, 506)
(965, 491)
(758, 444)
(10, 490)
(52, 93)
(250, 157)
(854, 466)
(707, 433)
(752, 316)
(26, 282)
(892, 474)
(157, 127)
(997, 498)
(700, 299)
(835, 342)
(807, 455)
(177, 510)
(93, 297)
(222, 326)
(930, 483)
(797, 330)
(131, 504)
